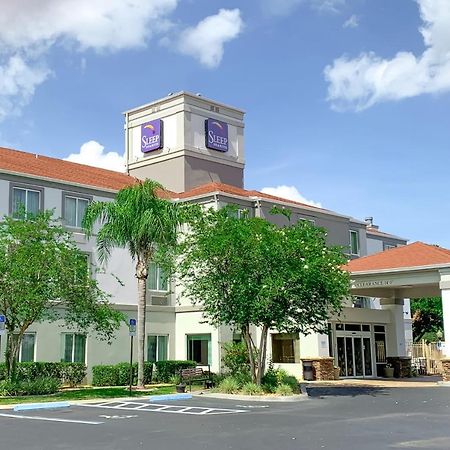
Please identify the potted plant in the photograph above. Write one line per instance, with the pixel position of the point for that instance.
(388, 371)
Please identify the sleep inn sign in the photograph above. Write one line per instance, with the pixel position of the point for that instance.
(216, 135)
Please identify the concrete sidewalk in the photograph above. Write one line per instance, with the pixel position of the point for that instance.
(427, 381)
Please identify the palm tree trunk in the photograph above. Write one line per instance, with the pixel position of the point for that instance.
(141, 274)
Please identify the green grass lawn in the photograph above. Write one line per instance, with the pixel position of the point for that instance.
(87, 394)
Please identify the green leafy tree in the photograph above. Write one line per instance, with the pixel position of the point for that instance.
(427, 317)
(45, 277)
(249, 273)
(145, 222)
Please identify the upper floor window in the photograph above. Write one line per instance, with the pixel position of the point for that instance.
(354, 242)
(74, 208)
(26, 197)
(388, 246)
(157, 279)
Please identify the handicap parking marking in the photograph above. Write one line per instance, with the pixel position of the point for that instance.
(155, 407)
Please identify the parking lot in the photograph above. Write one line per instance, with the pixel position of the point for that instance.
(342, 418)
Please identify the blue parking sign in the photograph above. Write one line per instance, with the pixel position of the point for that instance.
(132, 322)
(2, 318)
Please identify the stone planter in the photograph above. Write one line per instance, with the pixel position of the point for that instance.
(181, 388)
(337, 371)
(389, 372)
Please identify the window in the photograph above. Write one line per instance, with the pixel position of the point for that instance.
(362, 302)
(285, 348)
(157, 279)
(27, 347)
(74, 347)
(388, 246)
(74, 209)
(157, 348)
(28, 198)
(199, 348)
(354, 242)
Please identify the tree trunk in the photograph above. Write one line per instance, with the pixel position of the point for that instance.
(262, 354)
(250, 349)
(12, 352)
(141, 275)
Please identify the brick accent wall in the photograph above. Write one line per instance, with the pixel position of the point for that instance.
(445, 369)
(401, 365)
(323, 368)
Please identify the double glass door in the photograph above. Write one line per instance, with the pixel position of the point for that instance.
(354, 355)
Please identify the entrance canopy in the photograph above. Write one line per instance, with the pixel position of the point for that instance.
(412, 271)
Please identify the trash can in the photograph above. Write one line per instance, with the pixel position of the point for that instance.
(308, 374)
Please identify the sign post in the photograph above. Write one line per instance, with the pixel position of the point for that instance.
(2, 328)
(132, 330)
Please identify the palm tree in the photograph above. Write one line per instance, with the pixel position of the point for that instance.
(144, 221)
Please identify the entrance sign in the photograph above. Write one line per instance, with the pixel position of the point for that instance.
(216, 135)
(152, 135)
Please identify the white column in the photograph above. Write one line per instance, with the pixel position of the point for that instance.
(395, 336)
(445, 295)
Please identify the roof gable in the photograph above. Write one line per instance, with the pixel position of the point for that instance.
(413, 255)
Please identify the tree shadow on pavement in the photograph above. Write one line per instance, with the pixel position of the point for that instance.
(345, 391)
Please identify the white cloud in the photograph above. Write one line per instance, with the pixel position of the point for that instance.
(92, 153)
(18, 81)
(361, 82)
(285, 7)
(291, 193)
(95, 24)
(351, 22)
(206, 40)
(29, 29)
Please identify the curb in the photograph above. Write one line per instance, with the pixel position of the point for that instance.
(164, 397)
(255, 398)
(49, 405)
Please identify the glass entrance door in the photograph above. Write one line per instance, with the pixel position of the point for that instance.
(354, 356)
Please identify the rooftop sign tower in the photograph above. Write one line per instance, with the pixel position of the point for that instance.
(184, 141)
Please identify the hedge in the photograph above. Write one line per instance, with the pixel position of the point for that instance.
(66, 373)
(165, 370)
(119, 374)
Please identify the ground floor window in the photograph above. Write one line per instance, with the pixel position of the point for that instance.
(199, 348)
(157, 347)
(74, 347)
(27, 347)
(285, 348)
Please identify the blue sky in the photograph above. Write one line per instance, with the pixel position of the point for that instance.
(347, 101)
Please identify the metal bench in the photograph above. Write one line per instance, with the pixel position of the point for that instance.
(196, 374)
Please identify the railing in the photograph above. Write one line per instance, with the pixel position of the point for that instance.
(425, 358)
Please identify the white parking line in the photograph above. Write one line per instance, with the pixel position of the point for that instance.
(155, 407)
(50, 419)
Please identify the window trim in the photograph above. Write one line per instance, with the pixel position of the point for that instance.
(357, 242)
(158, 278)
(33, 333)
(75, 195)
(27, 187)
(64, 334)
(157, 335)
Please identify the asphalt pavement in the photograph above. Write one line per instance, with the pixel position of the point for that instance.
(369, 418)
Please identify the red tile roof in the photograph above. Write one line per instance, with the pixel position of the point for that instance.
(57, 169)
(233, 190)
(413, 255)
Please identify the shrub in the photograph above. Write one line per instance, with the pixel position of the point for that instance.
(67, 373)
(104, 375)
(284, 390)
(166, 369)
(290, 381)
(119, 374)
(235, 360)
(252, 389)
(270, 380)
(39, 386)
(229, 386)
